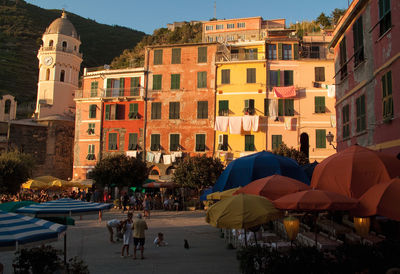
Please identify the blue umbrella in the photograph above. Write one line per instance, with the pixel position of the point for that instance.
(19, 230)
(309, 169)
(244, 170)
(64, 207)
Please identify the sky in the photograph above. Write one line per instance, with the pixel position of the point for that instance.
(148, 15)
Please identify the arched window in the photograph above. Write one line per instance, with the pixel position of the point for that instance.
(64, 45)
(50, 43)
(62, 75)
(7, 106)
(47, 74)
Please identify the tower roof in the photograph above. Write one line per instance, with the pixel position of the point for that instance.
(62, 26)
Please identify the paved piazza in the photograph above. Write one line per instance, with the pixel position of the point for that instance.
(88, 239)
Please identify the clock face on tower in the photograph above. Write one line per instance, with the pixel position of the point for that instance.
(48, 60)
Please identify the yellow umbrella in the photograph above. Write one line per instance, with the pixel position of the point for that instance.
(35, 184)
(242, 211)
(46, 179)
(228, 193)
(214, 196)
(81, 183)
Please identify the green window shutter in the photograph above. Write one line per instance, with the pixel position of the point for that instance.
(202, 109)
(108, 90)
(112, 141)
(155, 110)
(158, 53)
(121, 86)
(202, 54)
(296, 51)
(223, 107)
(133, 111)
(93, 89)
(135, 86)
(280, 107)
(108, 112)
(174, 109)
(279, 51)
(173, 142)
(276, 141)
(155, 142)
(157, 81)
(251, 75)
(249, 143)
(200, 142)
(176, 56)
(389, 82)
(92, 111)
(202, 79)
(225, 76)
(290, 108)
(320, 135)
(175, 81)
(288, 77)
(319, 104)
(266, 106)
(360, 113)
(133, 141)
(278, 78)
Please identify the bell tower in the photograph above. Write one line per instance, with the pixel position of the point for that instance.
(59, 66)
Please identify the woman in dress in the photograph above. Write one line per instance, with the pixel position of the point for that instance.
(127, 230)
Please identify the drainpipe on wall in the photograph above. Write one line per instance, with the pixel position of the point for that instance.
(215, 105)
(146, 72)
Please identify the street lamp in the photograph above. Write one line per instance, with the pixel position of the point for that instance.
(329, 138)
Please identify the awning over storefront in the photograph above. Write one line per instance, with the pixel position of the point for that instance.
(285, 92)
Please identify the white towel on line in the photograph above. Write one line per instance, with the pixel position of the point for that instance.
(235, 125)
(221, 123)
(331, 91)
(247, 121)
(273, 108)
(255, 122)
(167, 159)
(157, 157)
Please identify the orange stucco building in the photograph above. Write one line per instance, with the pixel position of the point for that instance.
(109, 116)
(181, 101)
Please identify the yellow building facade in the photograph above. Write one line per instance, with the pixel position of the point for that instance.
(240, 94)
(278, 90)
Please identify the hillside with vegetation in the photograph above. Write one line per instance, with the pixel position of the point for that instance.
(21, 28)
(188, 33)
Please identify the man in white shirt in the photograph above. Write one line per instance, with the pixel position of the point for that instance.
(114, 223)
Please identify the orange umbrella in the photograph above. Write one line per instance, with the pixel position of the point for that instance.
(315, 200)
(273, 187)
(354, 170)
(381, 199)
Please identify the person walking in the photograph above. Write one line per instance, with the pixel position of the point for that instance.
(127, 231)
(146, 206)
(139, 226)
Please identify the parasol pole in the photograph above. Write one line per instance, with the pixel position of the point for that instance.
(245, 237)
(65, 243)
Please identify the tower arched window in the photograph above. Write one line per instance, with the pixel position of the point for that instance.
(47, 74)
(64, 46)
(7, 106)
(51, 43)
(62, 75)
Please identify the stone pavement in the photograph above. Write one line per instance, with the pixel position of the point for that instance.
(88, 239)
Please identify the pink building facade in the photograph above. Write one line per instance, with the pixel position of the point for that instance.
(366, 44)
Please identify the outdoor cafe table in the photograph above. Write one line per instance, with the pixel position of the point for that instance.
(324, 243)
(332, 228)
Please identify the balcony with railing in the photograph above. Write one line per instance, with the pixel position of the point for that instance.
(314, 52)
(239, 56)
(134, 93)
(63, 49)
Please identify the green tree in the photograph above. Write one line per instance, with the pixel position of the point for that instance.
(336, 14)
(198, 172)
(120, 170)
(324, 20)
(291, 152)
(15, 169)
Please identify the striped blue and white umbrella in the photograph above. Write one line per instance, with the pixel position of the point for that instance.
(64, 207)
(19, 230)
